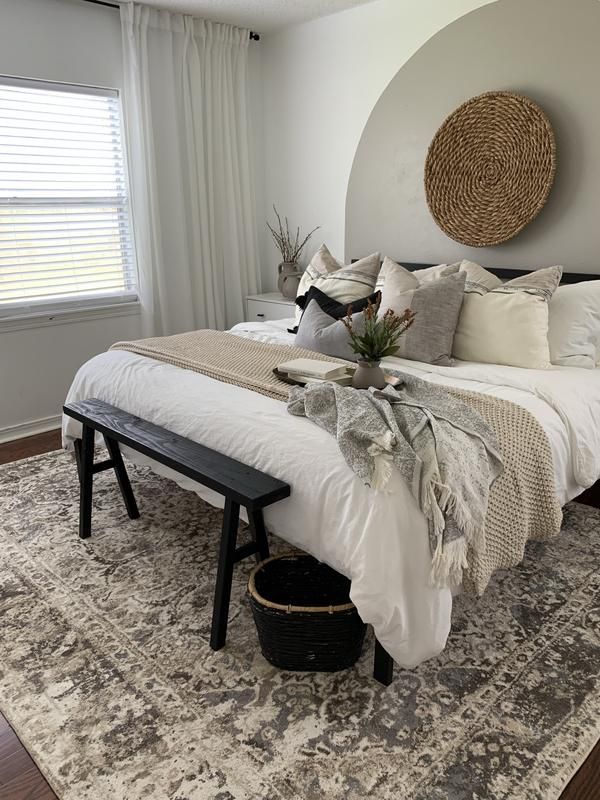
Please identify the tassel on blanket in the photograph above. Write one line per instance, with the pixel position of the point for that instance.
(449, 560)
(383, 462)
(450, 554)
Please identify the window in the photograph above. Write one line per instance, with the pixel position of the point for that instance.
(64, 214)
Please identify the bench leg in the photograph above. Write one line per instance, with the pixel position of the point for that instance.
(383, 669)
(86, 481)
(122, 478)
(231, 517)
(77, 452)
(259, 533)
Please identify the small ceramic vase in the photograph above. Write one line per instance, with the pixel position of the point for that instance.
(367, 374)
(289, 279)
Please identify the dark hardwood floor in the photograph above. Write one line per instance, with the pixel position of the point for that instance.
(30, 446)
(20, 779)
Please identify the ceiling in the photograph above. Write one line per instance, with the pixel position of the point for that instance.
(259, 15)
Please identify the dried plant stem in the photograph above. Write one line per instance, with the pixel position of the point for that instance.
(289, 246)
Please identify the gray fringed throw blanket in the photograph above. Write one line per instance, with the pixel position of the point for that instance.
(443, 448)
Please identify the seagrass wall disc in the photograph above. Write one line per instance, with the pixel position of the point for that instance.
(489, 168)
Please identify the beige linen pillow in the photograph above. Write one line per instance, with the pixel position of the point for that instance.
(413, 277)
(342, 282)
(436, 304)
(508, 324)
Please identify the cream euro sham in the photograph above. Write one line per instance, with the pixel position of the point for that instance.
(509, 323)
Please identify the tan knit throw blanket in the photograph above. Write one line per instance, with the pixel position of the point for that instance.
(522, 502)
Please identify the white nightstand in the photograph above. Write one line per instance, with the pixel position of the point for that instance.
(269, 306)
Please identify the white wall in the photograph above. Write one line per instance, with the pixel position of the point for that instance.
(321, 81)
(63, 40)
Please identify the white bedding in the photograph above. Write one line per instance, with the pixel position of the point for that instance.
(378, 540)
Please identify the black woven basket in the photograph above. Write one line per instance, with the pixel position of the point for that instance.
(303, 614)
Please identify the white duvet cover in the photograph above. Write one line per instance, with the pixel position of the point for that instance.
(378, 540)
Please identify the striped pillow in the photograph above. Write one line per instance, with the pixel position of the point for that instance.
(412, 277)
(344, 283)
(479, 279)
(507, 324)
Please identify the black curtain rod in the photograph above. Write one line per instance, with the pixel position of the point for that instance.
(255, 37)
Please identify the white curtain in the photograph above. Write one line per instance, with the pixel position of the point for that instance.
(187, 131)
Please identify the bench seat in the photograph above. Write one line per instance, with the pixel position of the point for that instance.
(238, 483)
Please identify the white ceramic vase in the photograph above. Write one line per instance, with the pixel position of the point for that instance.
(367, 374)
(289, 279)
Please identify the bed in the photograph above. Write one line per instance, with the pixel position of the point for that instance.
(378, 540)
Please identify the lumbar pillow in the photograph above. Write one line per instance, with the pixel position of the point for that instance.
(322, 333)
(345, 283)
(574, 325)
(508, 324)
(436, 305)
(415, 276)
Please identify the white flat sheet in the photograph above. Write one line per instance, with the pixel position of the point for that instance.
(378, 540)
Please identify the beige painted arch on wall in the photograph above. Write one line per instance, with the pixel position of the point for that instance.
(546, 49)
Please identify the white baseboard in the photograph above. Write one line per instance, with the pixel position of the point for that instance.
(23, 429)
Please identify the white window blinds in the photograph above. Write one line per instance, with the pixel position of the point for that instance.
(64, 214)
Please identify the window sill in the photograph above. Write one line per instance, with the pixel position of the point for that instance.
(70, 316)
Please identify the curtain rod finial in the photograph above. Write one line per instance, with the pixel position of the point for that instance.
(255, 37)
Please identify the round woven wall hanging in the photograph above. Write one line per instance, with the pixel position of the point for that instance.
(489, 168)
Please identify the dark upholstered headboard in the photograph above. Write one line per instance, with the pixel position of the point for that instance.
(507, 274)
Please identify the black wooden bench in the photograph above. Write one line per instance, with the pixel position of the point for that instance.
(239, 484)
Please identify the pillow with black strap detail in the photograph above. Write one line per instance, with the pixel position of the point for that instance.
(333, 307)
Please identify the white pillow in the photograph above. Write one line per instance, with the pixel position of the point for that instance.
(508, 324)
(574, 325)
(413, 277)
(344, 283)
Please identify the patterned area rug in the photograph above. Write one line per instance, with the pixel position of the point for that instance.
(107, 676)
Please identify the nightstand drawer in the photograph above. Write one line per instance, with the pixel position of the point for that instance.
(265, 310)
